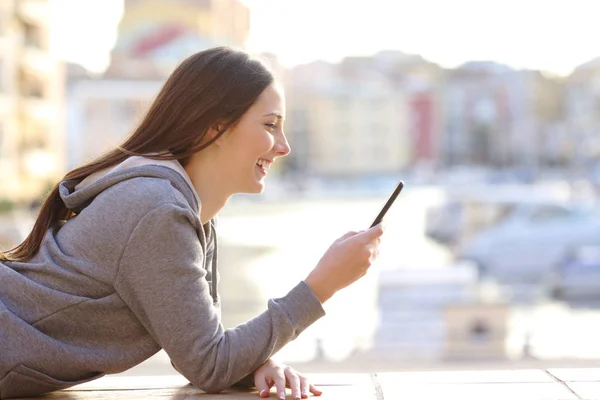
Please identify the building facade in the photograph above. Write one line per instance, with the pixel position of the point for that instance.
(347, 129)
(32, 142)
(153, 37)
(363, 117)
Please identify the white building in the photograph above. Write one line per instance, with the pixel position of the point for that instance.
(346, 127)
(101, 113)
(32, 145)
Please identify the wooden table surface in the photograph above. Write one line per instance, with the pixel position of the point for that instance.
(532, 384)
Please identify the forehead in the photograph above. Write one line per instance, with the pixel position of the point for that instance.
(271, 100)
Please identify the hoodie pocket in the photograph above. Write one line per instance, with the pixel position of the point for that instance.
(23, 381)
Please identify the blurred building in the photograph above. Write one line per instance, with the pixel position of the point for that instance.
(478, 116)
(497, 116)
(345, 127)
(153, 37)
(363, 117)
(583, 113)
(103, 112)
(32, 145)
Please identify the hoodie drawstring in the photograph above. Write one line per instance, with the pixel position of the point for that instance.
(214, 283)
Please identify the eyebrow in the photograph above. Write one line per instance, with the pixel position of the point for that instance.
(273, 114)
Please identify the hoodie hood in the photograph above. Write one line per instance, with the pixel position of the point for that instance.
(77, 194)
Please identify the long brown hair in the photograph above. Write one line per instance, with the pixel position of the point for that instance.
(215, 86)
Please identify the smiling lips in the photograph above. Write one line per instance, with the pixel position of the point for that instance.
(264, 165)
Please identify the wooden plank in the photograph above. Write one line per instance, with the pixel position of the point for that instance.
(586, 390)
(499, 376)
(576, 374)
(478, 391)
(185, 392)
(115, 382)
(334, 386)
(431, 385)
(190, 393)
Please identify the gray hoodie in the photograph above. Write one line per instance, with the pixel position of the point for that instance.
(133, 272)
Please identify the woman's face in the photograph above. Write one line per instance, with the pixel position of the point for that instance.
(255, 142)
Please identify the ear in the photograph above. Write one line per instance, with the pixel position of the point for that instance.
(213, 132)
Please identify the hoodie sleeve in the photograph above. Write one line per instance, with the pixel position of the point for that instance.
(162, 280)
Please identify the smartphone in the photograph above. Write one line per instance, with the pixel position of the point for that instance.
(389, 203)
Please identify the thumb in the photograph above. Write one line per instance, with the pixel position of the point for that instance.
(348, 235)
(262, 386)
(375, 231)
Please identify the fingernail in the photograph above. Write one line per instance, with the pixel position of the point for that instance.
(304, 395)
(282, 395)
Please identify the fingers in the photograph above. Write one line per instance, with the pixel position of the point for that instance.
(315, 391)
(368, 235)
(293, 381)
(371, 234)
(304, 387)
(347, 235)
(262, 386)
(374, 254)
(376, 231)
(280, 384)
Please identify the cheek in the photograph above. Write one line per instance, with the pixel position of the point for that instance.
(264, 142)
(269, 142)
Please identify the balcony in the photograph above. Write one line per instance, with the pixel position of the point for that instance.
(35, 11)
(37, 61)
(38, 108)
(7, 104)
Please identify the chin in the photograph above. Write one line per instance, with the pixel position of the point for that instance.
(259, 188)
(255, 188)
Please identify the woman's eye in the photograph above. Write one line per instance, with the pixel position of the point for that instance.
(271, 127)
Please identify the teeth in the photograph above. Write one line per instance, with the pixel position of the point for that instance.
(264, 164)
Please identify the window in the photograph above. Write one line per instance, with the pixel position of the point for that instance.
(379, 152)
(32, 35)
(124, 110)
(549, 214)
(2, 88)
(30, 86)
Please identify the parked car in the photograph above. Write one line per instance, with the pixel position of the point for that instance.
(579, 277)
(532, 241)
(468, 210)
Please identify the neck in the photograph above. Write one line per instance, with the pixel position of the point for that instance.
(209, 186)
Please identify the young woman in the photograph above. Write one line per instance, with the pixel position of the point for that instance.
(122, 260)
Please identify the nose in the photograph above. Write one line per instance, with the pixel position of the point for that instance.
(282, 147)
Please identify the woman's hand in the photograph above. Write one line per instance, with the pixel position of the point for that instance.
(281, 376)
(347, 260)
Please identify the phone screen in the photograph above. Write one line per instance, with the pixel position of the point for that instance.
(389, 203)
